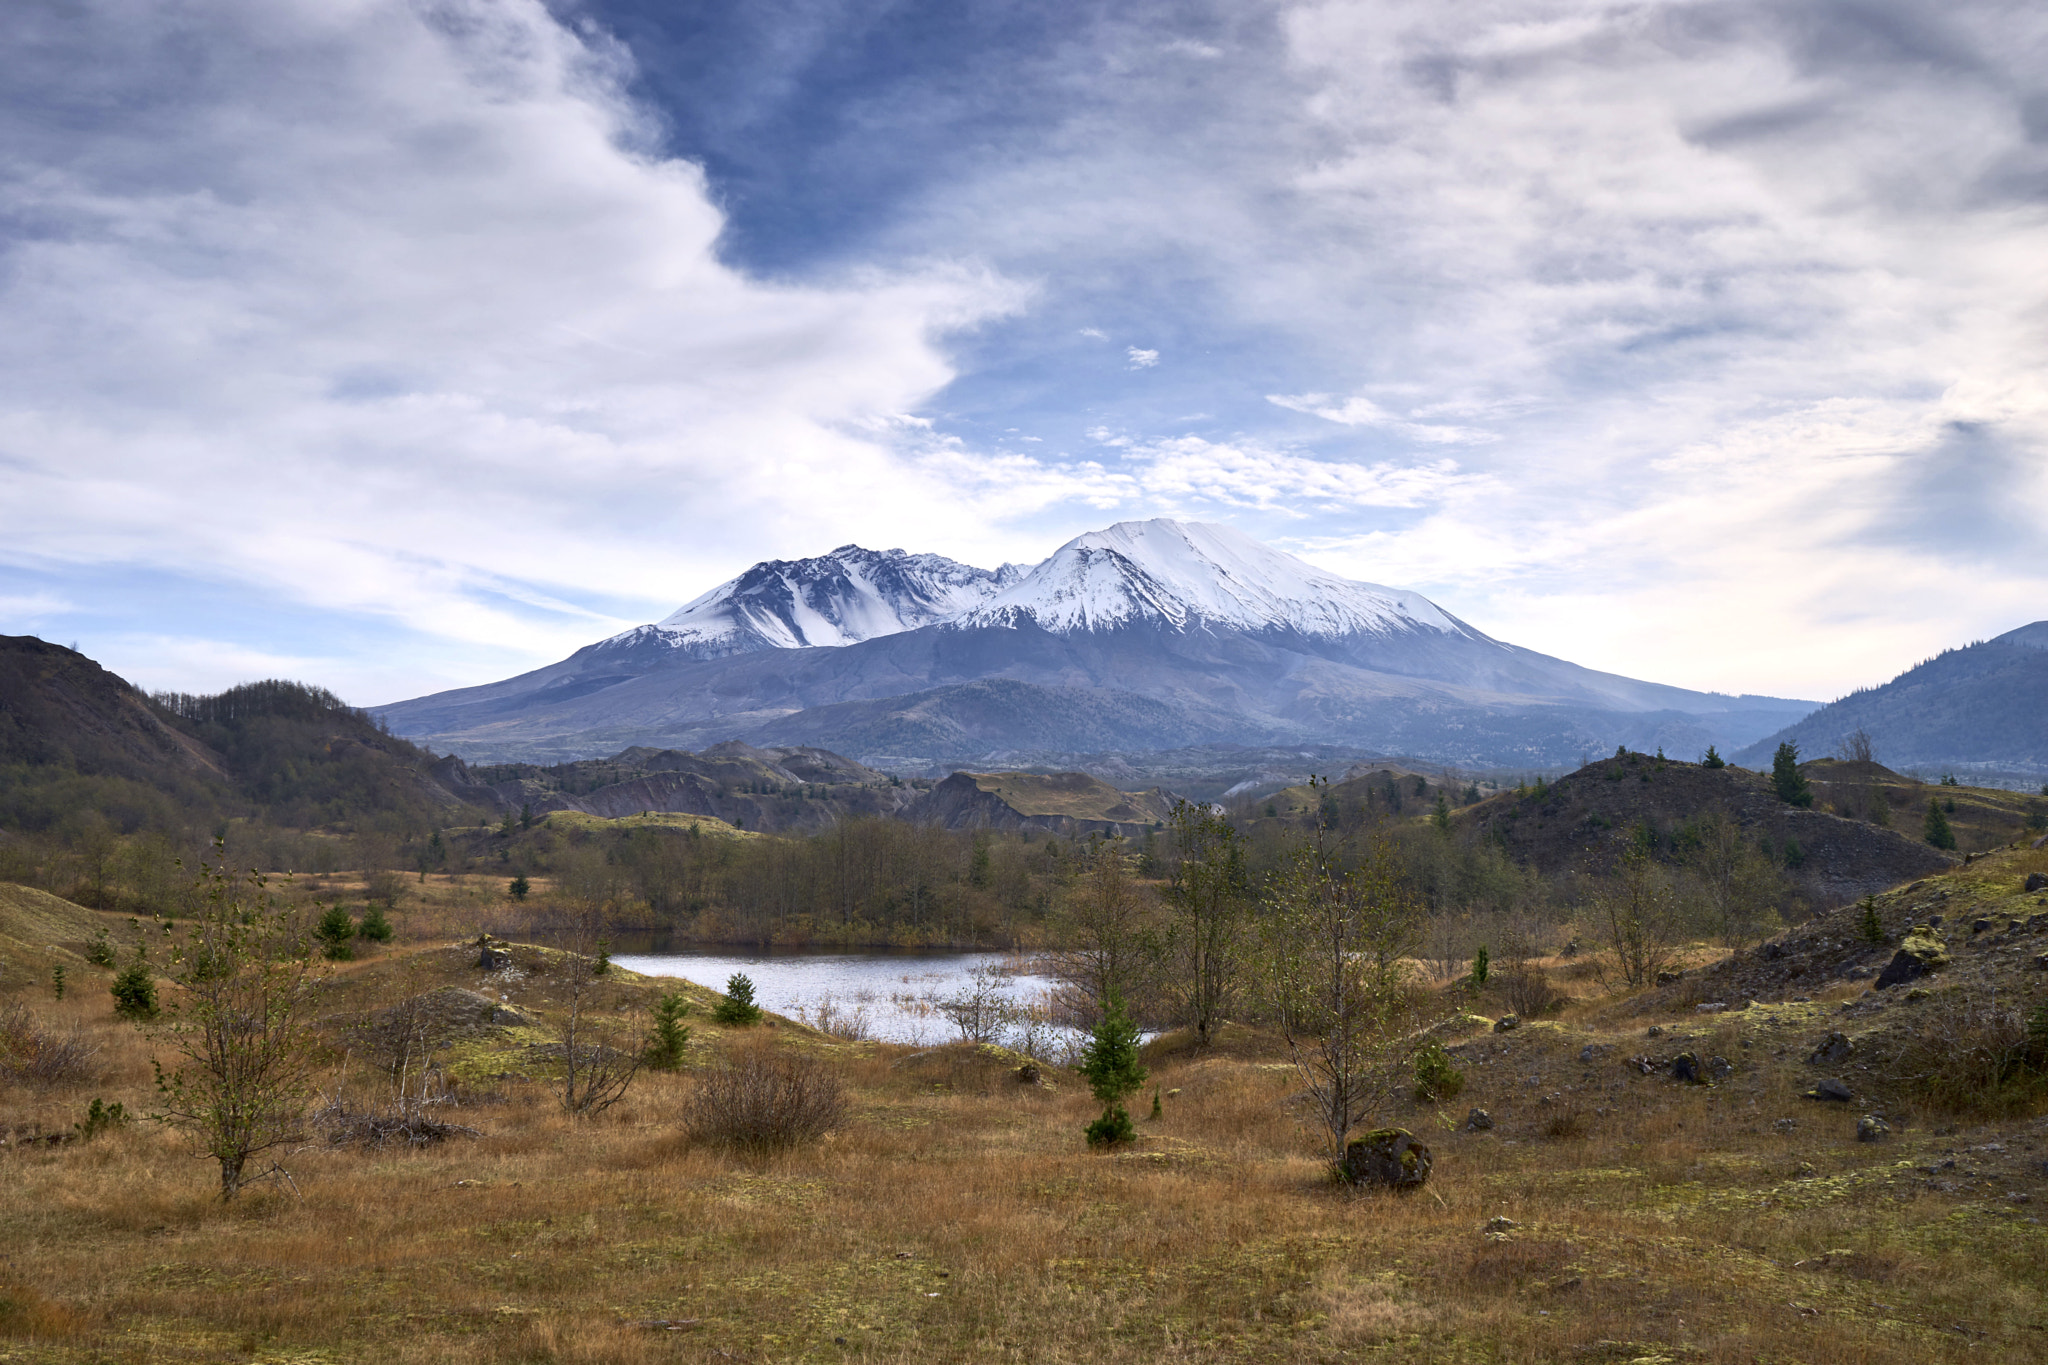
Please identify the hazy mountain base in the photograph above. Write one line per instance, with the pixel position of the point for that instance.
(943, 694)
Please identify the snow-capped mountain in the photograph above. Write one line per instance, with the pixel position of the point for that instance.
(1190, 575)
(846, 596)
(1144, 635)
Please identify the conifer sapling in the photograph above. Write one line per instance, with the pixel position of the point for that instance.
(1110, 1062)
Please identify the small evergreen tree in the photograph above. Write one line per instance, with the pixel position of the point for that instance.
(57, 980)
(134, 989)
(375, 926)
(1937, 831)
(671, 1035)
(1436, 1076)
(1441, 816)
(1110, 1062)
(738, 1008)
(1786, 779)
(1711, 759)
(518, 887)
(1480, 966)
(1872, 927)
(100, 952)
(335, 932)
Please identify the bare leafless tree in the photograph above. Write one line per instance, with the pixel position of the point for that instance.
(599, 1062)
(1336, 943)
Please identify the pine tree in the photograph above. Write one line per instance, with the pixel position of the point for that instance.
(1938, 831)
(1786, 779)
(1711, 759)
(738, 1007)
(1110, 1062)
(335, 931)
(671, 1034)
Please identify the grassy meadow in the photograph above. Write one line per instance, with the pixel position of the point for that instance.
(957, 1214)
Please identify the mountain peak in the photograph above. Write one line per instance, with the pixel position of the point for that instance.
(1187, 574)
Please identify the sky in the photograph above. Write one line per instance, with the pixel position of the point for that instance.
(397, 345)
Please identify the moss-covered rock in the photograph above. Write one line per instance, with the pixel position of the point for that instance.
(1921, 952)
(1390, 1158)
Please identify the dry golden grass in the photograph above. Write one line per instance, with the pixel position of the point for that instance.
(958, 1215)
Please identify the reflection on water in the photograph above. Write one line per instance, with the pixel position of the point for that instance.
(920, 998)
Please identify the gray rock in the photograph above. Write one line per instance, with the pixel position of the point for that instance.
(1500, 1223)
(1478, 1121)
(1506, 1023)
(1785, 1125)
(1871, 1128)
(1831, 1088)
(1388, 1158)
(1711, 1007)
(1832, 1048)
(1719, 1068)
(2037, 881)
(1979, 926)
(1686, 1066)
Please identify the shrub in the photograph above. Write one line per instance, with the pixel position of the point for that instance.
(1976, 1053)
(134, 990)
(760, 1102)
(101, 1118)
(34, 1054)
(1529, 991)
(335, 932)
(518, 887)
(375, 926)
(100, 952)
(738, 1008)
(1436, 1076)
(671, 1035)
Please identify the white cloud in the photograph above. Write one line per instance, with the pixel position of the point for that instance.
(388, 308)
(1360, 411)
(1142, 359)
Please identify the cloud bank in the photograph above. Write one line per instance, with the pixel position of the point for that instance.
(1703, 341)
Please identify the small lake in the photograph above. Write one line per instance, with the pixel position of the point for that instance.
(894, 997)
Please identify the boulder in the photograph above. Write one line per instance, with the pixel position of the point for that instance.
(1686, 1066)
(1920, 953)
(1871, 1128)
(2037, 881)
(1719, 1069)
(1831, 1088)
(1505, 1023)
(1832, 1048)
(1478, 1121)
(1390, 1158)
(1028, 1074)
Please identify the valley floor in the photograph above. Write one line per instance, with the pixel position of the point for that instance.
(958, 1214)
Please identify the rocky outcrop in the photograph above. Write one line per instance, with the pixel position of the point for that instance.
(1387, 1158)
(1065, 803)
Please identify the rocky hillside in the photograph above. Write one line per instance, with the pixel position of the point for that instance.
(768, 790)
(1068, 803)
(1587, 818)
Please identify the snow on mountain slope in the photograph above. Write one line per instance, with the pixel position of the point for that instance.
(1191, 574)
(846, 596)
